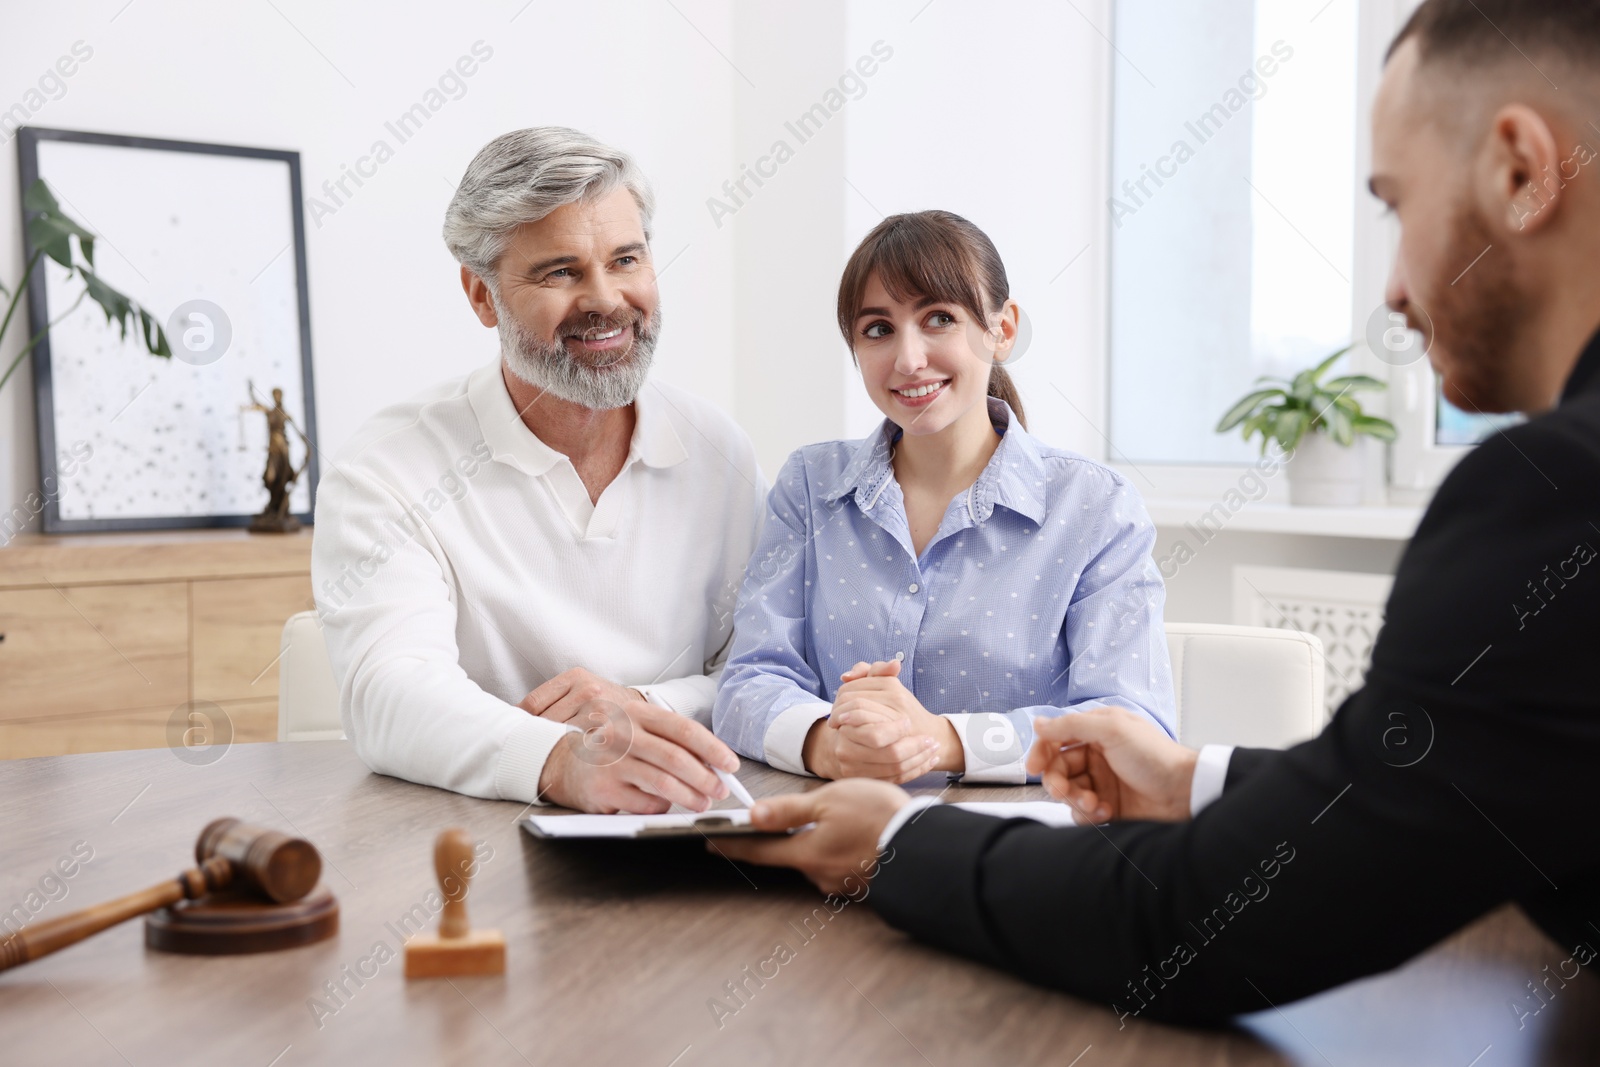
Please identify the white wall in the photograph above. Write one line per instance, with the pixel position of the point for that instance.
(1202, 589)
(991, 111)
(789, 231)
(996, 111)
(387, 313)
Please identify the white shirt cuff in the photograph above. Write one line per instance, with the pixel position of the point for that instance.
(903, 816)
(1210, 773)
(523, 755)
(993, 751)
(785, 741)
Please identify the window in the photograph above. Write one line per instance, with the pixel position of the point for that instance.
(1233, 185)
(1434, 434)
(1454, 427)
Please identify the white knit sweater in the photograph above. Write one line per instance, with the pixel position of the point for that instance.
(458, 564)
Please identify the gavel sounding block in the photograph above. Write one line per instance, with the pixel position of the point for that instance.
(234, 923)
(457, 949)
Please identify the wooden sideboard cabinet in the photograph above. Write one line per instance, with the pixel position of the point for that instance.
(106, 638)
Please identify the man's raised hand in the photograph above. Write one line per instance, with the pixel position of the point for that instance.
(1109, 763)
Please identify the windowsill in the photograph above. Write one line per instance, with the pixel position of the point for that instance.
(1394, 523)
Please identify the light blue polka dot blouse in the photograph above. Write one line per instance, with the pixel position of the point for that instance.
(1036, 596)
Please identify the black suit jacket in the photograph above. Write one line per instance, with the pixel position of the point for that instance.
(1466, 773)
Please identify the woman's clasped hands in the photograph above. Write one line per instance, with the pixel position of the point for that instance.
(879, 729)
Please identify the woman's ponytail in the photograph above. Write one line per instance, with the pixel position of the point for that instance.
(1002, 387)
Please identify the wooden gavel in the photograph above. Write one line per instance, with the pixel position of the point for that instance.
(260, 861)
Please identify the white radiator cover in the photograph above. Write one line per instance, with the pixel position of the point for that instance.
(1343, 608)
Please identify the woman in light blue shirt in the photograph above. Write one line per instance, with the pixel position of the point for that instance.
(919, 597)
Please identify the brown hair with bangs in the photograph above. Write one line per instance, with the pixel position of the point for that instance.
(933, 254)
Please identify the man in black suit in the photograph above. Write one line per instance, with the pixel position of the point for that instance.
(1463, 774)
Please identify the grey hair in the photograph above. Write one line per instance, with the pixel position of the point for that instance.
(524, 175)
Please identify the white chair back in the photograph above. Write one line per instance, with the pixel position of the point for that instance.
(308, 697)
(1246, 685)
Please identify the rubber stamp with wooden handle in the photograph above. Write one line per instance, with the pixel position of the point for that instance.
(456, 949)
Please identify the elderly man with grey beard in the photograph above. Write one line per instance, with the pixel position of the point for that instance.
(526, 576)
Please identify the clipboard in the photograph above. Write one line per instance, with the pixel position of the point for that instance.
(726, 822)
(735, 822)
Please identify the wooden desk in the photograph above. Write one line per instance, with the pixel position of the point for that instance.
(616, 951)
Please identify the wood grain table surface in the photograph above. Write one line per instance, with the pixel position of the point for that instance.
(617, 951)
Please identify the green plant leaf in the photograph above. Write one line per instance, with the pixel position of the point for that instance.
(1264, 428)
(1322, 368)
(1340, 427)
(1373, 426)
(1352, 383)
(155, 338)
(1244, 407)
(52, 231)
(114, 304)
(51, 239)
(1320, 402)
(1289, 427)
(39, 198)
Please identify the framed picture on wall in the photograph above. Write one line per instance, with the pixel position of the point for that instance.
(211, 239)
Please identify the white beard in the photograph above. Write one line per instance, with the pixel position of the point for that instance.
(553, 368)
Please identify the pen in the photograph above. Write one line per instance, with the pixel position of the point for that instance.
(735, 787)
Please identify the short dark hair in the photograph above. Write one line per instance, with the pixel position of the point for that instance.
(1486, 30)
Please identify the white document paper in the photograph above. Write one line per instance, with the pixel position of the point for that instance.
(1049, 812)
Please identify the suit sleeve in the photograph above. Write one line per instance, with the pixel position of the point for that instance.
(1410, 815)
(1245, 762)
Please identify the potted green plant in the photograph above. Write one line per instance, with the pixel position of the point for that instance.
(1320, 424)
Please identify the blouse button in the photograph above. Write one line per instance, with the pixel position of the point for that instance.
(912, 587)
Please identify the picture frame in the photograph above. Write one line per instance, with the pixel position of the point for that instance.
(216, 236)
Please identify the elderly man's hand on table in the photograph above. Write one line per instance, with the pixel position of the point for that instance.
(1109, 763)
(561, 698)
(840, 851)
(627, 755)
